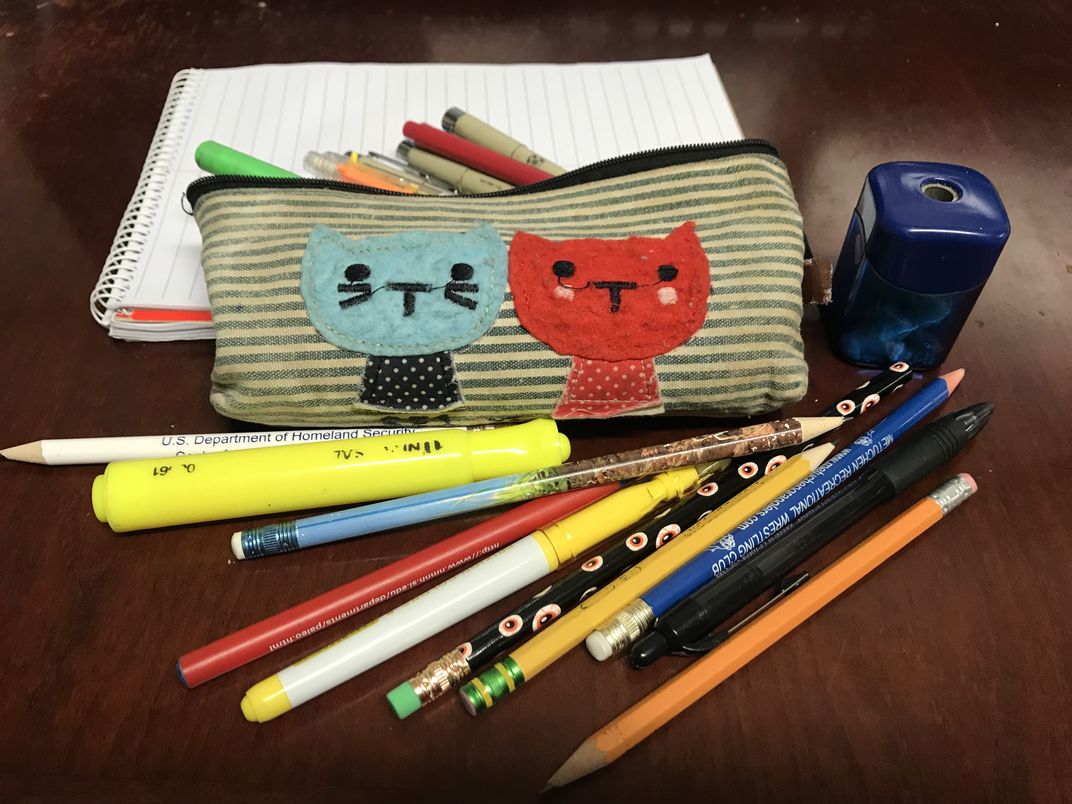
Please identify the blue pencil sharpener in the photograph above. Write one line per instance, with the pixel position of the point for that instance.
(923, 240)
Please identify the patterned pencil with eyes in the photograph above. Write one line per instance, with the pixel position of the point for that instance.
(446, 673)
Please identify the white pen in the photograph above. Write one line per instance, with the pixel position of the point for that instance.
(512, 568)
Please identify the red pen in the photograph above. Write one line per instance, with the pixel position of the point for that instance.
(257, 640)
(472, 155)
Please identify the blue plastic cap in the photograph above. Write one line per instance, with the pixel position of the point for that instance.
(932, 227)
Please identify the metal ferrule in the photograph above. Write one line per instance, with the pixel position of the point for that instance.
(403, 149)
(270, 540)
(450, 118)
(440, 677)
(627, 626)
(952, 493)
(490, 686)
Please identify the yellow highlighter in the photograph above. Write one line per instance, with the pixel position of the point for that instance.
(515, 566)
(133, 495)
(549, 644)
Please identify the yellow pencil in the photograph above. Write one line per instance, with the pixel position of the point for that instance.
(569, 631)
(658, 708)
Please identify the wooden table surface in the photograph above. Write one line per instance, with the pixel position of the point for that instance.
(943, 677)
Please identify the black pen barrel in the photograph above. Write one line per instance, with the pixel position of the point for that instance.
(927, 449)
(695, 616)
(905, 464)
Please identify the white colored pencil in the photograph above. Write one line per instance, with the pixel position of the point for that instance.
(66, 451)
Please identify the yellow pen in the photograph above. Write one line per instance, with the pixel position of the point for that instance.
(132, 495)
(570, 630)
(508, 570)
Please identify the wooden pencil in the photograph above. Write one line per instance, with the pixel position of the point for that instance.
(635, 724)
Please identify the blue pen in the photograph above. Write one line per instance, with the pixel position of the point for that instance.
(310, 531)
(315, 530)
(633, 621)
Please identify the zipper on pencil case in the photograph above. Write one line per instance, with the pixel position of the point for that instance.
(613, 168)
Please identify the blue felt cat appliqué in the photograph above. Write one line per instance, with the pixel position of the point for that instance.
(407, 300)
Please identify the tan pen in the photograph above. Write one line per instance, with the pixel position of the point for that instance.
(476, 130)
(466, 180)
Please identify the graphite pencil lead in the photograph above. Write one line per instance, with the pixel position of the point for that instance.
(585, 760)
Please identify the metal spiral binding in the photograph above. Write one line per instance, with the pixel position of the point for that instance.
(141, 213)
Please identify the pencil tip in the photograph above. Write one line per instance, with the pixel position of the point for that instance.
(817, 454)
(27, 453)
(812, 427)
(953, 378)
(585, 760)
(546, 788)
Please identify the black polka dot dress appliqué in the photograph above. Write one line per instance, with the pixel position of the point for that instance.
(416, 383)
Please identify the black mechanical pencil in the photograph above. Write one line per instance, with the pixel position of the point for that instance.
(687, 627)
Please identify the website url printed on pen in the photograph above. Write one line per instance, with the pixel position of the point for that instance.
(320, 625)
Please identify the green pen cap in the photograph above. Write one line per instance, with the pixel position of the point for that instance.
(220, 160)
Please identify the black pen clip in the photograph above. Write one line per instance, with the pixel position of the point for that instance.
(699, 647)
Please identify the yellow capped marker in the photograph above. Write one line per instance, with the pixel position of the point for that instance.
(570, 630)
(132, 495)
(508, 570)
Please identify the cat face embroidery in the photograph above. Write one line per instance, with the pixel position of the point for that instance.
(407, 300)
(612, 305)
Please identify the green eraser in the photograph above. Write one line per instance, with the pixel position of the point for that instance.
(403, 700)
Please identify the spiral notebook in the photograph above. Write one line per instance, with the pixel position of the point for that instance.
(152, 289)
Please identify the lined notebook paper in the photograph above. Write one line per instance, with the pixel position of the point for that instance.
(576, 114)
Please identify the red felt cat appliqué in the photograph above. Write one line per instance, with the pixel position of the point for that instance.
(612, 305)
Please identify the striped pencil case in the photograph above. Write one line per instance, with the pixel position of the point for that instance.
(663, 282)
